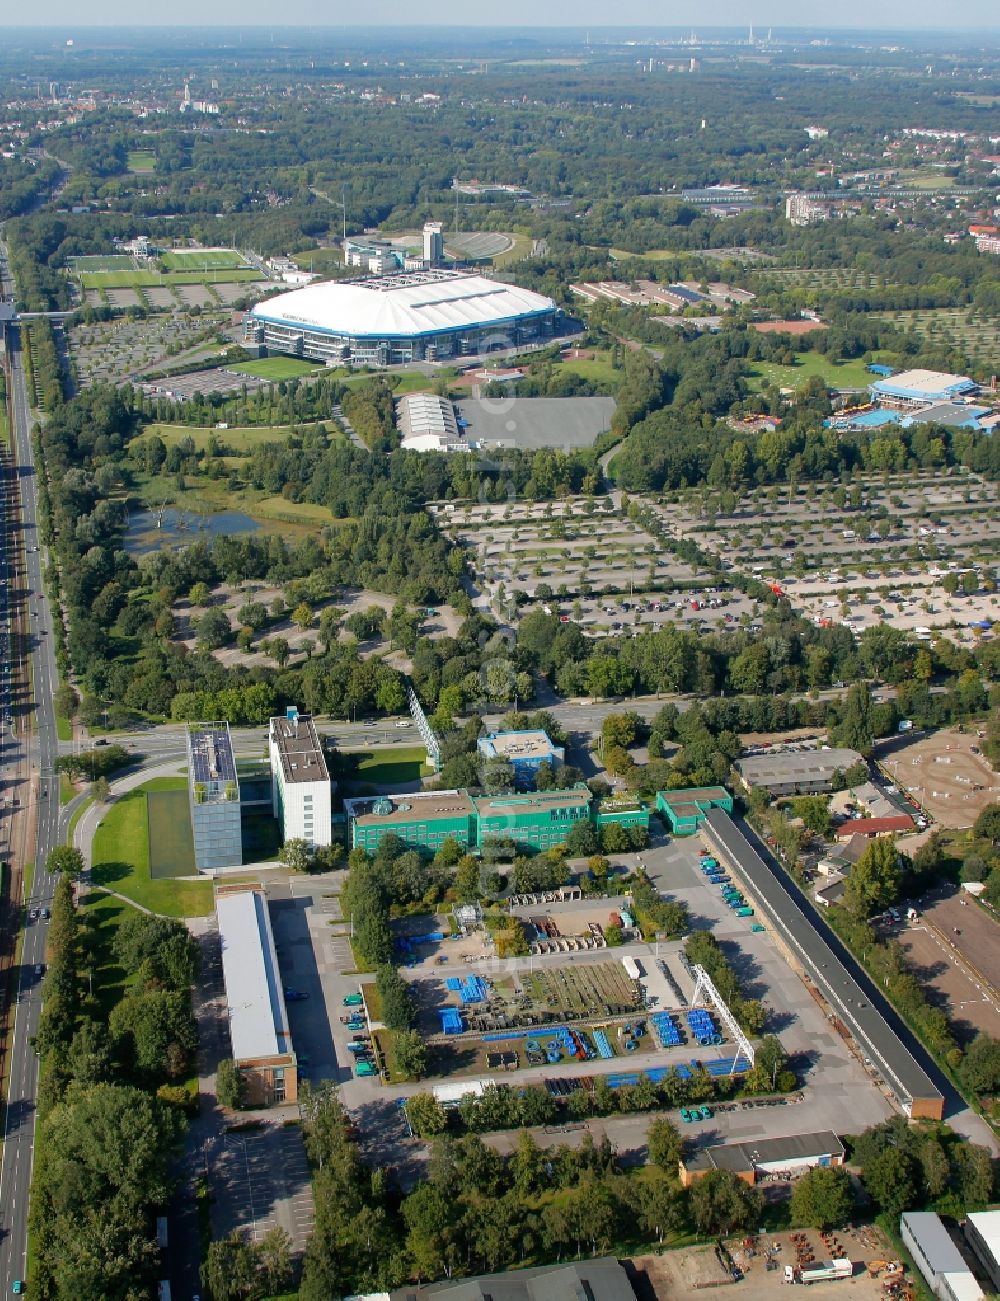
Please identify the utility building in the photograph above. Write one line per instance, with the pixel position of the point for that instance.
(258, 1021)
(937, 1257)
(685, 810)
(214, 796)
(525, 751)
(300, 782)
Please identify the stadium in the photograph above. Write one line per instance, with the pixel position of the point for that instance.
(388, 320)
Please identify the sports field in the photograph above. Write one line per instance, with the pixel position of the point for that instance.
(240, 440)
(833, 372)
(276, 368)
(171, 844)
(152, 279)
(141, 160)
(201, 259)
(393, 765)
(101, 262)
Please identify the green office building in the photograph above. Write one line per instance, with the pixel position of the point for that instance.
(423, 820)
(533, 820)
(621, 812)
(685, 810)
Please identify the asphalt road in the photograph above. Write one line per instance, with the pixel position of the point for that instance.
(41, 749)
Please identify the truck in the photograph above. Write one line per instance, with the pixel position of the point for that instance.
(821, 1272)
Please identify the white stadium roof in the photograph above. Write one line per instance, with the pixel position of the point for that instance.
(418, 303)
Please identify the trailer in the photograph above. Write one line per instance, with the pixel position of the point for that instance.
(821, 1272)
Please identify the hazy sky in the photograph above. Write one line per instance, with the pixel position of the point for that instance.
(901, 15)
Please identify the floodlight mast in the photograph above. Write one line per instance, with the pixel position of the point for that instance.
(705, 987)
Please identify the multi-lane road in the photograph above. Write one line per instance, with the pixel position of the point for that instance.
(31, 746)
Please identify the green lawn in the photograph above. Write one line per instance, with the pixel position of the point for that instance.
(834, 373)
(390, 765)
(103, 913)
(200, 259)
(243, 439)
(121, 858)
(75, 817)
(598, 368)
(67, 790)
(153, 279)
(64, 729)
(141, 160)
(276, 368)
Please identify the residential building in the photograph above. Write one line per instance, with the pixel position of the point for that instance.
(898, 824)
(795, 772)
(525, 751)
(804, 210)
(433, 244)
(214, 797)
(300, 781)
(685, 810)
(982, 1233)
(764, 1156)
(937, 1257)
(259, 1036)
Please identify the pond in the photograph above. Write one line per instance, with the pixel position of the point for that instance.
(149, 530)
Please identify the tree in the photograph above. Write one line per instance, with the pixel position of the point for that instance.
(397, 1005)
(814, 812)
(721, 1202)
(410, 1054)
(664, 1146)
(891, 1178)
(497, 776)
(771, 1058)
(198, 594)
(302, 615)
(156, 1029)
(252, 615)
(822, 1198)
(987, 825)
(213, 629)
(230, 1271)
(980, 1069)
(874, 881)
(855, 729)
(100, 790)
(230, 1086)
(426, 1115)
(296, 855)
(65, 858)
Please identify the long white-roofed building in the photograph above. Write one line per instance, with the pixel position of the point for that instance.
(395, 319)
(258, 1020)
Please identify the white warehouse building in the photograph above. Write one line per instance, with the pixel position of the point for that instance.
(300, 781)
(396, 319)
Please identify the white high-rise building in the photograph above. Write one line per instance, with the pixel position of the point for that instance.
(433, 244)
(300, 782)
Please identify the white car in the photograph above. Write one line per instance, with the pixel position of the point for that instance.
(404, 722)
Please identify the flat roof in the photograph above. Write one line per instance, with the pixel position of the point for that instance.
(765, 1151)
(299, 749)
(936, 1242)
(790, 766)
(258, 1021)
(529, 744)
(415, 807)
(876, 1027)
(488, 806)
(987, 1225)
(682, 798)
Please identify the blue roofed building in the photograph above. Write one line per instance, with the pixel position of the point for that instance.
(525, 751)
(920, 388)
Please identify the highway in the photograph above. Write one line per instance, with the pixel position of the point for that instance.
(39, 748)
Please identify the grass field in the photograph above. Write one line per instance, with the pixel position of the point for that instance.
(101, 262)
(121, 859)
(400, 763)
(240, 440)
(597, 368)
(276, 368)
(521, 249)
(201, 259)
(156, 279)
(141, 160)
(300, 512)
(168, 826)
(846, 374)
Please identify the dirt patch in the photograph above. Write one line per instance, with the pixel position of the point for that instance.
(943, 774)
(787, 327)
(957, 989)
(969, 933)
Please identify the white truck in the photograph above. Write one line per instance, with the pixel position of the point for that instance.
(821, 1272)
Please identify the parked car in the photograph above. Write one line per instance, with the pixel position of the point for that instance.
(353, 1000)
